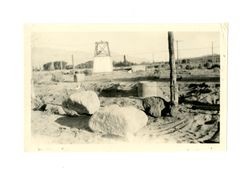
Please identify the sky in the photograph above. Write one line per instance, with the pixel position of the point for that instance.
(137, 46)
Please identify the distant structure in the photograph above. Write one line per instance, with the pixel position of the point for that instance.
(102, 58)
(138, 68)
(124, 59)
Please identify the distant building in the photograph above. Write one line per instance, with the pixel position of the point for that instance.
(203, 59)
(137, 68)
(102, 64)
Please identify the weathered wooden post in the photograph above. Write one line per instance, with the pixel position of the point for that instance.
(173, 76)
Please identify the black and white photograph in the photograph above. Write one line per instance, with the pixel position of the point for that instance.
(125, 85)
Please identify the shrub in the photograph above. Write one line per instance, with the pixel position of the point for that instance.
(87, 72)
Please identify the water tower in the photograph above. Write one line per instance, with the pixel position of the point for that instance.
(102, 58)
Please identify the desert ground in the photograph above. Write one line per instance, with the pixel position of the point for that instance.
(197, 119)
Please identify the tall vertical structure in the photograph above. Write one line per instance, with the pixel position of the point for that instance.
(102, 58)
(173, 76)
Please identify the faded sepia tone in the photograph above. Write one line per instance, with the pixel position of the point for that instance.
(109, 87)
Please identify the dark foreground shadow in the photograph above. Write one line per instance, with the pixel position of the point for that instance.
(194, 78)
(118, 91)
(111, 92)
(215, 136)
(75, 122)
(201, 106)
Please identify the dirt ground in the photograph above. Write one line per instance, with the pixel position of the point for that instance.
(195, 122)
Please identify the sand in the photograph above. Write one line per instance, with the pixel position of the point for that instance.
(190, 126)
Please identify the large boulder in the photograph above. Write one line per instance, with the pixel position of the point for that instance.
(85, 102)
(156, 106)
(120, 121)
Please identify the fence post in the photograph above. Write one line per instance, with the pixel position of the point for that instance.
(74, 73)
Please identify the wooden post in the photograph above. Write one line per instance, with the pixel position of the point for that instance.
(212, 51)
(124, 59)
(173, 76)
(73, 63)
(108, 49)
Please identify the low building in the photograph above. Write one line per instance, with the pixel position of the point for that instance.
(102, 64)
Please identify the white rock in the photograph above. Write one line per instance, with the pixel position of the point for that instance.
(115, 120)
(85, 102)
